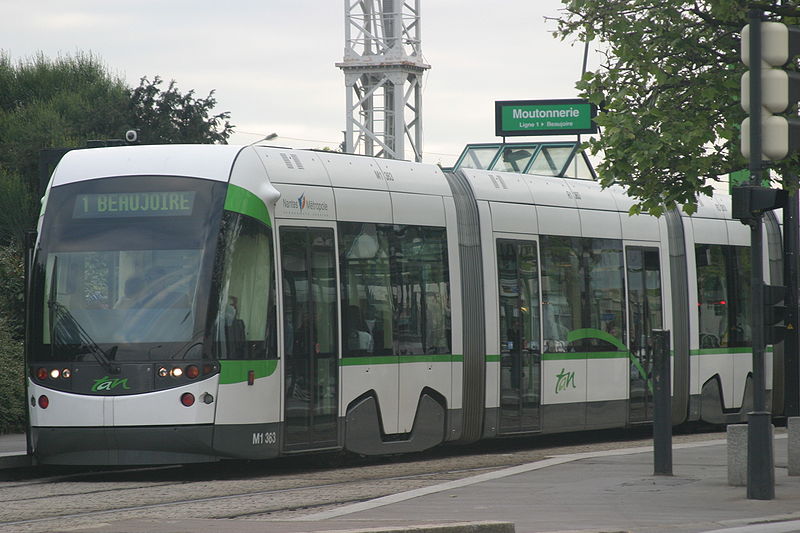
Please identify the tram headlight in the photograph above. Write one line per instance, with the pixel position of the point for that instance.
(66, 373)
(55, 373)
(177, 372)
(163, 372)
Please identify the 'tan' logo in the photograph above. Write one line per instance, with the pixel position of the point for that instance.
(302, 201)
(106, 384)
(564, 379)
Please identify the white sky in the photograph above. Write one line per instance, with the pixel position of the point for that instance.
(271, 62)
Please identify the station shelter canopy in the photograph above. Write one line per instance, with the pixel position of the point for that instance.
(563, 159)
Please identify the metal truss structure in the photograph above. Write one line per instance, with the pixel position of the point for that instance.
(383, 68)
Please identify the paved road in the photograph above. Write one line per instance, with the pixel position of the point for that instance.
(599, 490)
(605, 491)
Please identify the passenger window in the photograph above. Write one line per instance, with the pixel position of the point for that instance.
(395, 289)
(245, 325)
(723, 295)
(582, 294)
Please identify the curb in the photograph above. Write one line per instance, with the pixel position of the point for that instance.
(458, 527)
(15, 461)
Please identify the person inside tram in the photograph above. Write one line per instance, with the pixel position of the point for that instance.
(359, 339)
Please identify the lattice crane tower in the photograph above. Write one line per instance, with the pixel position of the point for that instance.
(383, 67)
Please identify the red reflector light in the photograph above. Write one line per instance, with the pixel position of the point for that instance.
(42, 373)
(187, 399)
(192, 371)
(44, 401)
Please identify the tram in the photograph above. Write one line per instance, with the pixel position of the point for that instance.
(192, 303)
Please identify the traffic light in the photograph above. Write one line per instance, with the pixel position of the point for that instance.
(774, 313)
(748, 202)
(780, 90)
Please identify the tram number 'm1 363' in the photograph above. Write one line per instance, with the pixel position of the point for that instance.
(266, 437)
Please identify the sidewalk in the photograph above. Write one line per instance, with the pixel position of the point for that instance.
(611, 491)
(12, 451)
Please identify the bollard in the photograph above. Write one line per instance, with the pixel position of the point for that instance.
(662, 404)
(737, 455)
(793, 427)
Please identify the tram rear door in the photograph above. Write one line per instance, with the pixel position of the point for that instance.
(644, 315)
(310, 333)
(520, 327)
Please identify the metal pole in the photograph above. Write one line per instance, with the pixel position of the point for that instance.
(760, 465)
(662, 404)
(791, 368)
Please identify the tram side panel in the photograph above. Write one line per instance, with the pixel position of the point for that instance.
(394, 336)
(248, 399)
(718, 257)
(456, 327)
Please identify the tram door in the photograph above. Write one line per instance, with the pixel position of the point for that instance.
(644, 315)
(310, 325)
(520, 335)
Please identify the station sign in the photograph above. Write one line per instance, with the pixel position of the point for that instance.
(544, 117)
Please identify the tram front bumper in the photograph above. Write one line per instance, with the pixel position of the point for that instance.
(132, 445)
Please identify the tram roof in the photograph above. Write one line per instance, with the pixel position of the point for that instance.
(557, 158)
(209, 161)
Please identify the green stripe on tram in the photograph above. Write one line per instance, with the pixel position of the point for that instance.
(572, 356)
(236, 371)
(243, 201)
(723, 351)
(358, 360)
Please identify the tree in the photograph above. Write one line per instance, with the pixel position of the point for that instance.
(168, 116)
(55, 103)
(668, 92)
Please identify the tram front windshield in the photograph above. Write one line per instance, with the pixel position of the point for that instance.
(123, 269)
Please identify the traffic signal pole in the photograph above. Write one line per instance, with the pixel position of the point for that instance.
(791, 244)
(760, 462)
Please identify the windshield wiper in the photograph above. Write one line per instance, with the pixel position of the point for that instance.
(64, 328)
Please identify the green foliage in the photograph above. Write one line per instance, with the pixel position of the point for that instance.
(12, 381)
(167, 116)
(12, 287)
(668, 91)
(56, 103)
(19, 208)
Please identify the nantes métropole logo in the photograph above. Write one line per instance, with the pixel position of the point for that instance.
(305, 205)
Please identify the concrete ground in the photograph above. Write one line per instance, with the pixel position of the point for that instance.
(608, 491)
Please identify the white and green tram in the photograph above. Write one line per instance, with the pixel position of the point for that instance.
(196, 303)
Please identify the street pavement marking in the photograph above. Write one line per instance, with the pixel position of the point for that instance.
(491, 476)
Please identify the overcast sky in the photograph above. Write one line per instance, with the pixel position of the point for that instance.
(271, 62)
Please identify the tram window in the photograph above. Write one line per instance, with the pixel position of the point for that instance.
(245, 325)
(723, 295)
(518, 279)
(395, 289)
(582, 294)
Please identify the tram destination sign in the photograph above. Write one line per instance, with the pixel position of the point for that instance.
(544, 117)
(134, 204)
